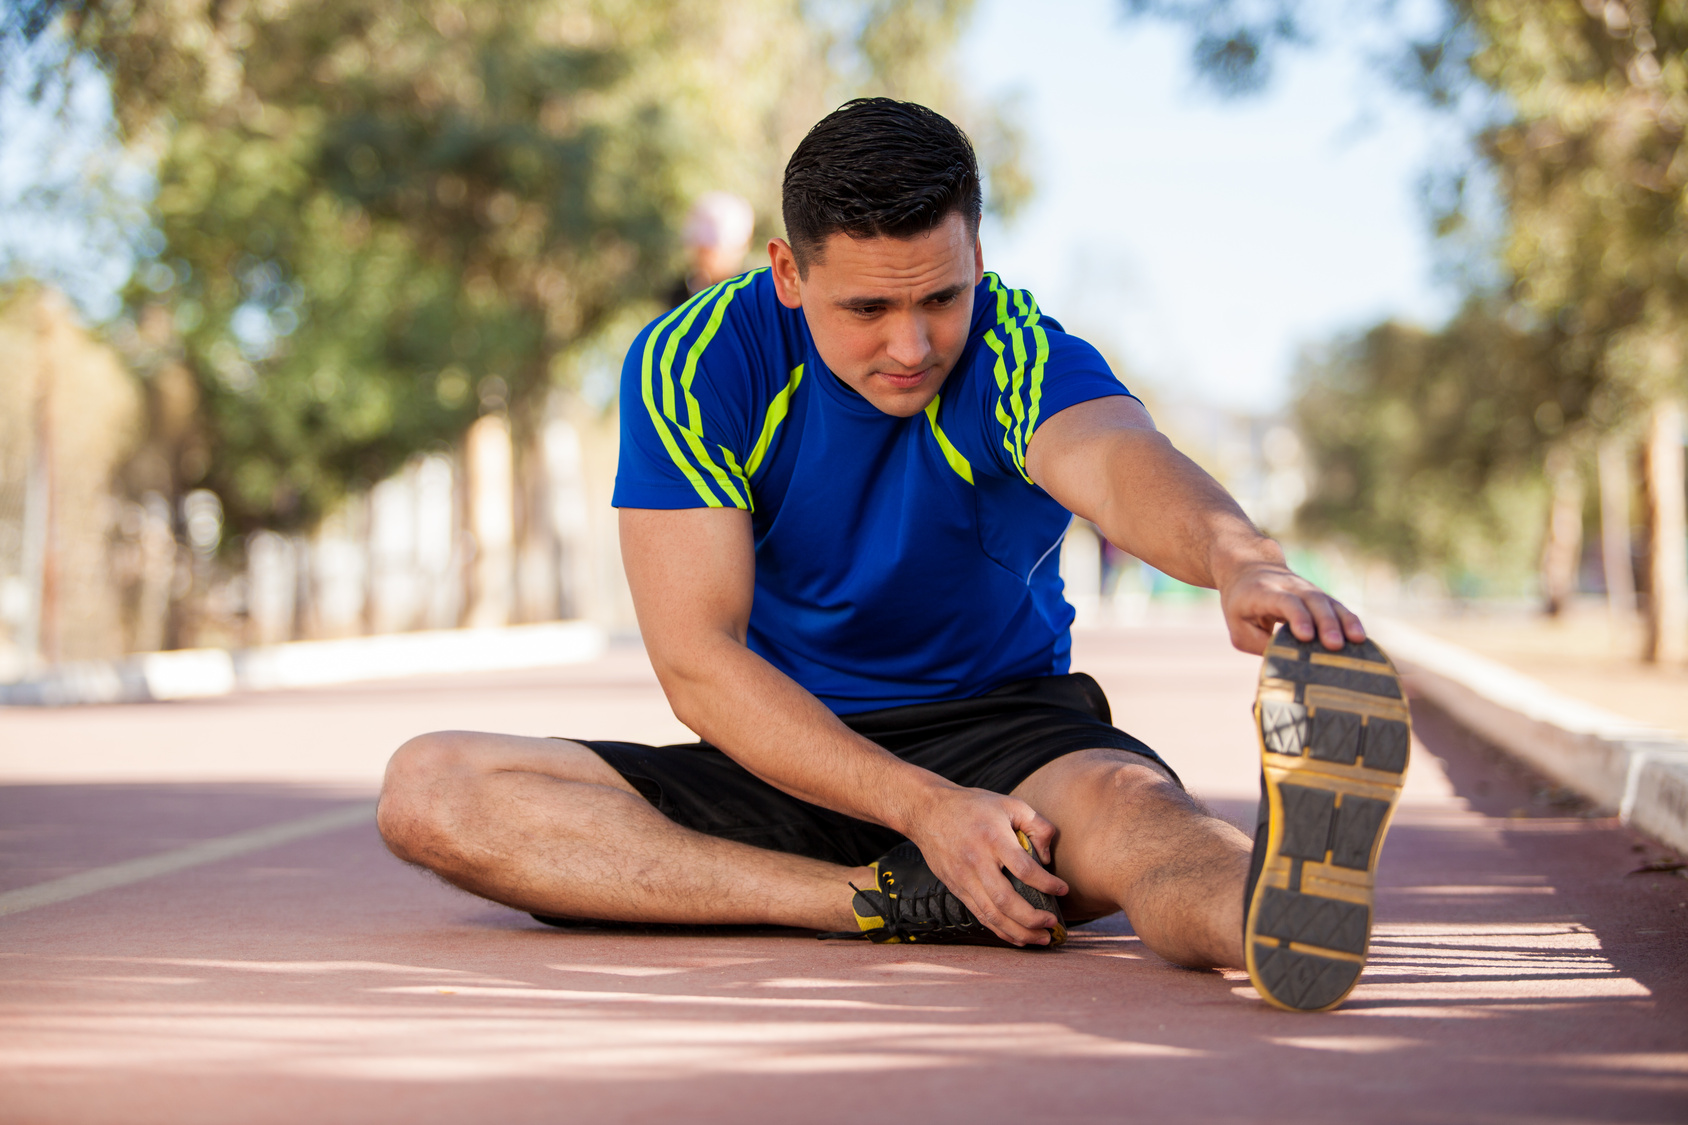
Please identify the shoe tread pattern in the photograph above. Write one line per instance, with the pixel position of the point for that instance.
(1303, 671)
(1304, 980)
(1324, 822)
(1284, 726)
(1310, 920)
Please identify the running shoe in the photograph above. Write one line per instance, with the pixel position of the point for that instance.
(1334, 735)
(909, 904)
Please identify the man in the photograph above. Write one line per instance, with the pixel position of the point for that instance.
(843, 482)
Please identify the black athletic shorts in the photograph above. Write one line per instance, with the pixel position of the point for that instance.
(992, 742)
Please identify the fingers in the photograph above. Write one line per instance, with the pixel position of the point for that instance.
(1351, 626)
(1028, 870)
(1323, 609)
(970, 841)
(1294, 613)
(999, 906)
(1249, 636)
(1039, 831)
(1311, 614)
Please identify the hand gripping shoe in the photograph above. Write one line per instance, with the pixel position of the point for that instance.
(909, 904)
(1334, 733)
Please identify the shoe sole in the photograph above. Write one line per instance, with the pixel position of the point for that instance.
(1334, 738)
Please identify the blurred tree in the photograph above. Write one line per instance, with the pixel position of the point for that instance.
(1428, 443)
(381, 219)
(1586, 145)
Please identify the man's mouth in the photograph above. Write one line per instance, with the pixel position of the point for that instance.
(903, 382)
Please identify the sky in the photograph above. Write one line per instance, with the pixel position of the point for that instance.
(1201, 243)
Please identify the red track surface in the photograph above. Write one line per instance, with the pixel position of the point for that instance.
(1518, 972)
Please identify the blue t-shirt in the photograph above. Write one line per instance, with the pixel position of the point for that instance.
(898, 560)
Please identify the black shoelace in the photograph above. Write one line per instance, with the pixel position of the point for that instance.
(891, 909)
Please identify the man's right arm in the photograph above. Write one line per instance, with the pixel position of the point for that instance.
(692, 573)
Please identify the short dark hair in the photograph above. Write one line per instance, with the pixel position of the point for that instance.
(878, 168)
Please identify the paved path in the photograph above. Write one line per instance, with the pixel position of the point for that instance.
(1519, 973)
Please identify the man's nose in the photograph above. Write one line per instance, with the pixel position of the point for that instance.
(909, 344)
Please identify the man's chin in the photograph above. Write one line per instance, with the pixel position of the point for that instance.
(900, 398)
(902, 404)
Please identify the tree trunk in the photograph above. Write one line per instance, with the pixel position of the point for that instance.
(1561, 554)
(1615, 549)
(1667, 539)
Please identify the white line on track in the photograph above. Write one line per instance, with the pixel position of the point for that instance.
(179, 859)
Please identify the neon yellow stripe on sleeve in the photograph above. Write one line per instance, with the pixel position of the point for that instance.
(1016, 399)
(693, 432)
(1036, 388)
(1019, 403)
(659, 417)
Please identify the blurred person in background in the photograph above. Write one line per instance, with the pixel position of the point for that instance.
(717, 238)
(843, 480)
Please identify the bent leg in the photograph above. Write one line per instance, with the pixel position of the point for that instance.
(547, 826)
(1129, 838)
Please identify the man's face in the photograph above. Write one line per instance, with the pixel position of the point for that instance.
(888, 315)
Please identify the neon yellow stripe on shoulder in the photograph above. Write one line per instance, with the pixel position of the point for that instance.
(692, 431)
(777, 411)
(952, 455)
(1016, 396)
(1019, 403)
(1036, 387)
(659, 416)
(1000, 293)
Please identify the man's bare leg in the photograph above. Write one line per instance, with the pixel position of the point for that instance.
(547, 826)
(1129, 839)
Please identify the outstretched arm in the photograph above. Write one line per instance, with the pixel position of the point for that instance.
(1104, 460)
(692, 573)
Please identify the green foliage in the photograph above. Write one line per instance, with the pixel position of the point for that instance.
(379, 218)
(1594, 174)
(1426, 446)
(1584, 104)
(390, 216)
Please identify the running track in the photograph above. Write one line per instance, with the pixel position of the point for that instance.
(199, 924)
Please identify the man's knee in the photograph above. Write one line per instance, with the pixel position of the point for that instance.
(1118, 778)
(1135, 779)
(413, 812)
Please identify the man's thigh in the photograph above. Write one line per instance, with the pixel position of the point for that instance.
(457, 757)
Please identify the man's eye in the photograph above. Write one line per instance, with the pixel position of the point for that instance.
(943, 302)
(867, 311)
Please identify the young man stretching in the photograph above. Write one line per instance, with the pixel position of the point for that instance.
(843, 483)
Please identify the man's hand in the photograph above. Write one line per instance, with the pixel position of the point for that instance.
(1257, 594)
(967, 837)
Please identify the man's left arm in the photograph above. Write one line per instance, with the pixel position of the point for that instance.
(1104, 460)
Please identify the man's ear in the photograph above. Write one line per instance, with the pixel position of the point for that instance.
(978, 260)
(788, 282)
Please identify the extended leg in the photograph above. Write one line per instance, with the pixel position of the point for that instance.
(1130, 839)
(547, 826)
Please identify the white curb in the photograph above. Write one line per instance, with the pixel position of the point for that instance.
(1638, 771)
(206, 672)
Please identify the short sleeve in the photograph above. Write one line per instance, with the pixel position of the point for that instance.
(687, 390)
(1037, 371)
